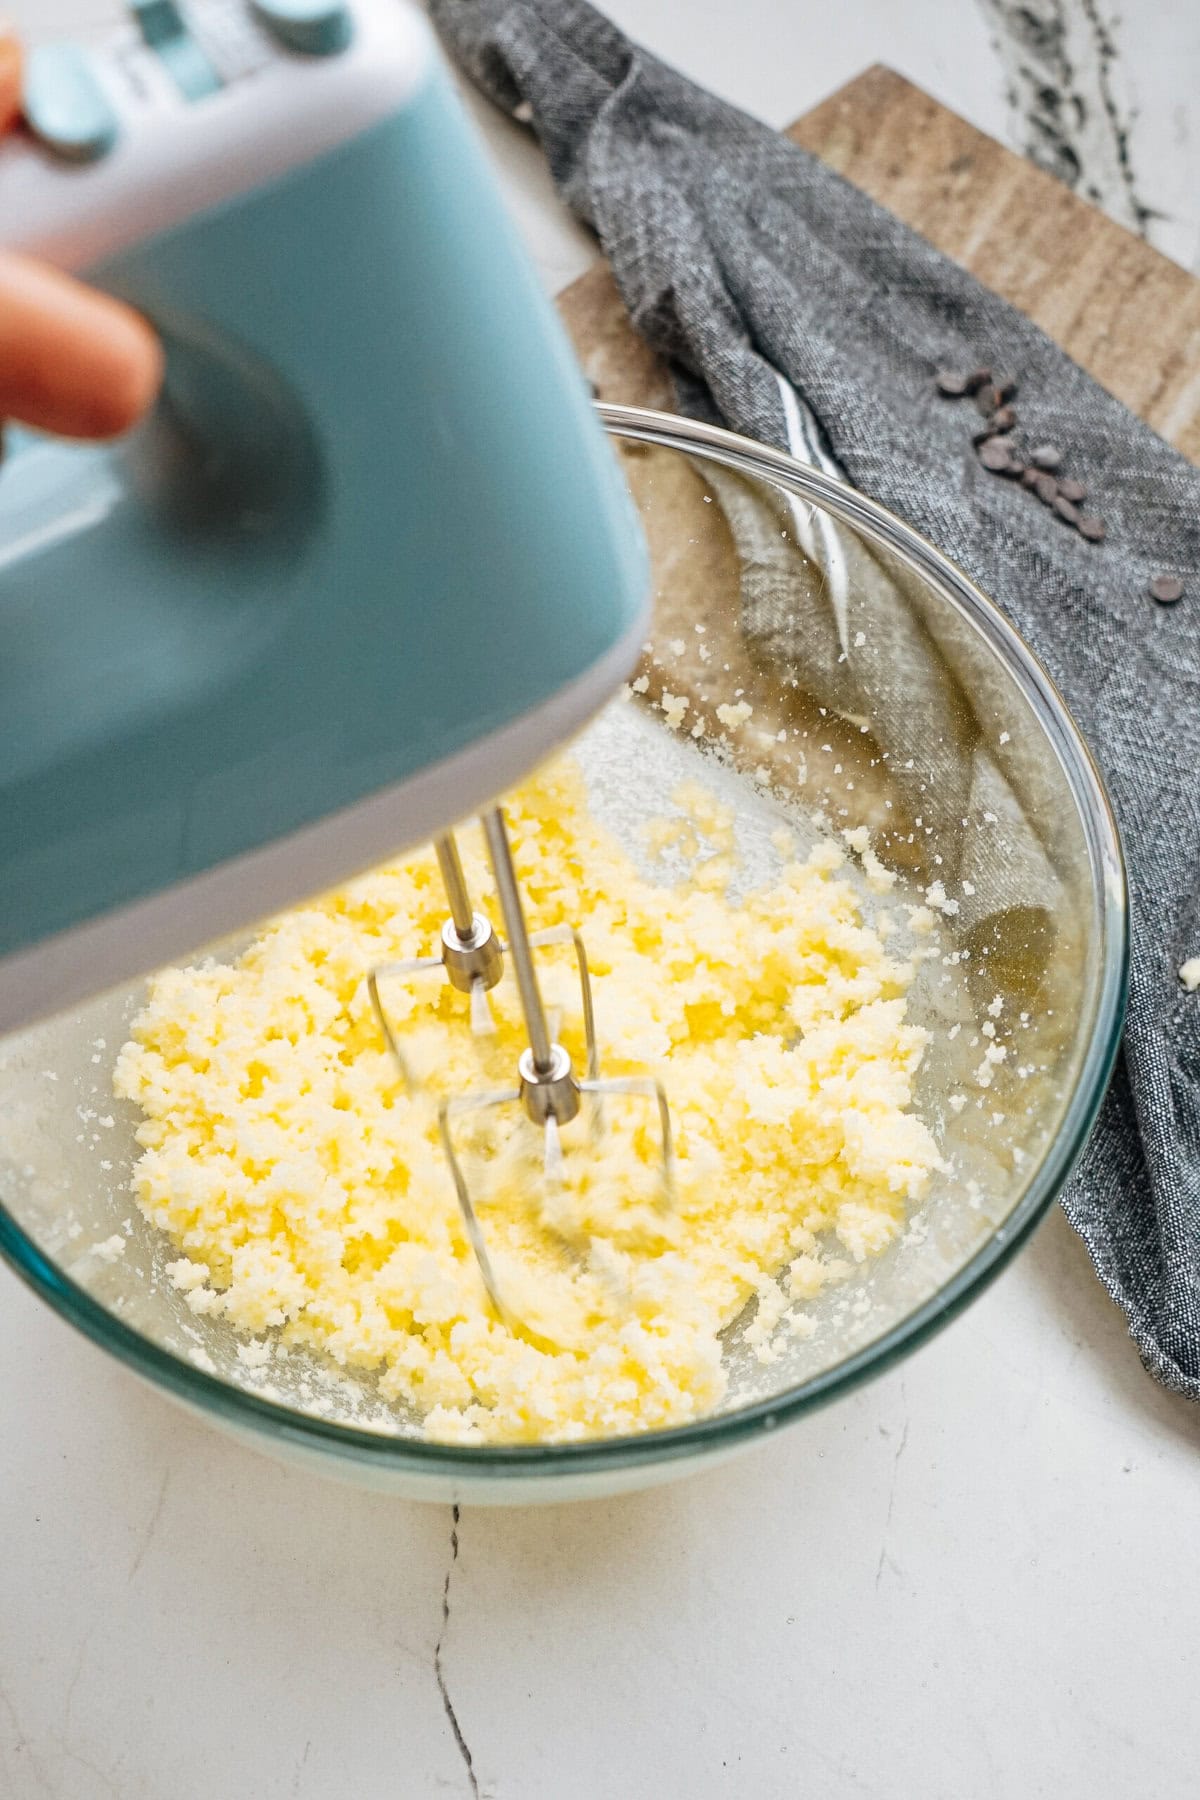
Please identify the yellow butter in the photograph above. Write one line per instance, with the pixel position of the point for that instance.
(306, 1194)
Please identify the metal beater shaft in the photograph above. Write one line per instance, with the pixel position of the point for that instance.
(455, 884)
(472, 956)
(512, 911)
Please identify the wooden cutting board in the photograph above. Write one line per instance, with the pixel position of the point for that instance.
(1126, 314)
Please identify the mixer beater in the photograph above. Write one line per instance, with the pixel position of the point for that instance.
(548, 1089)
(471, 955)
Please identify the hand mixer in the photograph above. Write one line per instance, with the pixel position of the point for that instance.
(368, 563)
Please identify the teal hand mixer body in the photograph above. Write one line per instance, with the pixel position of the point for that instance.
(368, 563)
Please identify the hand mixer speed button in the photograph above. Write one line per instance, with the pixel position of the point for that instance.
(316, 27)
(65, 106)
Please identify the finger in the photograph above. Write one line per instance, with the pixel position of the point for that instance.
(10, 81)
(72, 360)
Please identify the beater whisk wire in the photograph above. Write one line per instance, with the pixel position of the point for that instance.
(548, 1090)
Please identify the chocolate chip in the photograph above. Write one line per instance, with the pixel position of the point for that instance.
(1066, 510)
(1004, 418)
(1092, 528)
(1046, 456)
(993, 394)
(1070, 489)
(1047, 489)
(951, 382)
(996, 455)
(978, 378)
(1166, 589)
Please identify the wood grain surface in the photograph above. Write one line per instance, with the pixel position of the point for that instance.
(1127, 315)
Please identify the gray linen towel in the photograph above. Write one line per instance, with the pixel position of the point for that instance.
(740, 258)
(818, 602)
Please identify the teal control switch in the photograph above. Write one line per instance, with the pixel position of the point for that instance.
(316, 27)
(65, 105)
(164, 29)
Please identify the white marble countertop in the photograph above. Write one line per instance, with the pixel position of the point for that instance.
(972, 1580)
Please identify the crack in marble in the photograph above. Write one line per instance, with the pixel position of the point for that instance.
(151, 1528)
(69, 1697)
(439, 1670)
(93, 1769)
(887, 1523)
(1059, 60)
(64, 1735)
(298, 1771)
(24, 1744)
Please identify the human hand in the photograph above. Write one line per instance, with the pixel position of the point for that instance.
(72, 360)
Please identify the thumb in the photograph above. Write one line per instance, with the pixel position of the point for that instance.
(10, 80)
(72, 360)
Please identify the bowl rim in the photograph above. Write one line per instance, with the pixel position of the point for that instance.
(244, 1410)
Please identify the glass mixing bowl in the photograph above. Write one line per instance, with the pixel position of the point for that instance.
(908, 705)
